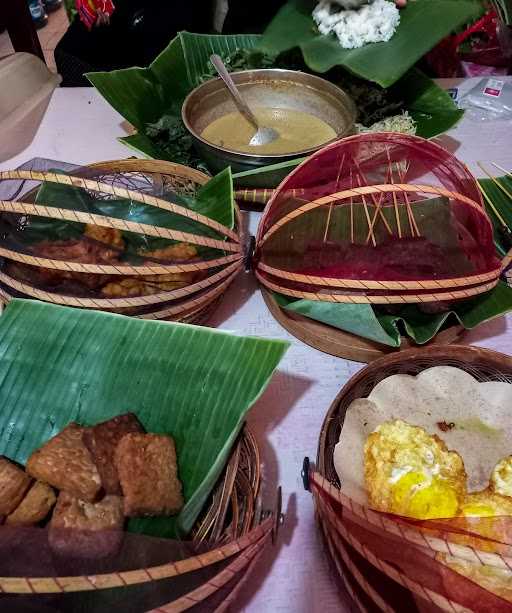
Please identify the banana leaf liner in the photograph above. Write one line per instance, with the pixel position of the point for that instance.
(392, 560)
(150, 98)
(150, 239)
(199, 558)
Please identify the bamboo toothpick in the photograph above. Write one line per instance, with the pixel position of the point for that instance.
(377, 204)
(332, 204)
(491, 204)
(351, 212)
(410, 212)
(494, 180)
(395, 199)
(369, 221)
(507, 172)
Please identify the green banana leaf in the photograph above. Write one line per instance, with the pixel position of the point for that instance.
(431, 107)
(61, 364)
(371, 323)
(144, 95)
(500, 206)
(423, 23)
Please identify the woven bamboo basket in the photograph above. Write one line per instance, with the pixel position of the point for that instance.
(373, 582)
(159, 286)
(230, 536)
(375, 219)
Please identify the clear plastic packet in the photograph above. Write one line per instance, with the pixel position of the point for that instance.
(491, 98)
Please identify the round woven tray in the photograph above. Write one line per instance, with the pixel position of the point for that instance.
(368, 580)
(343, 344)
(193, 302)
(233, 529)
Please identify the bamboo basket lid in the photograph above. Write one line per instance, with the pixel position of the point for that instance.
(380, 219)
(162, 286)
(347, 552)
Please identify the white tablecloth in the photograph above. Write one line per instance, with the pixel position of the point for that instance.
(80, 127)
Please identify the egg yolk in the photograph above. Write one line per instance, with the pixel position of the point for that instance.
(416, 495)
(478, 510)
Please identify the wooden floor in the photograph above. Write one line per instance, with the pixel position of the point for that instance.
(49, 36)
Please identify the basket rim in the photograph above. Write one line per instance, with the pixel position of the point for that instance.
(260, 532)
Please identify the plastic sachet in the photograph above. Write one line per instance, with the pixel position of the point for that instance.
(490, 99)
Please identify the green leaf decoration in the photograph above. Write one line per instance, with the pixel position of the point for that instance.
(197, 384)
(376, 325)
(423, 23)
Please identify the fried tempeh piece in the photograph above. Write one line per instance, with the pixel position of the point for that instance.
(86, 529)
(14, 482)
(65, 463)
(34, 507)
(101, 440)
(148, 471)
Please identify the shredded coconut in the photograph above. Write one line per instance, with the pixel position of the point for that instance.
(372, 23)
(403, 123)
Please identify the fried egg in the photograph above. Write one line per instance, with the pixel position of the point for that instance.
(411, 473)
(494, 579)
(501, 477)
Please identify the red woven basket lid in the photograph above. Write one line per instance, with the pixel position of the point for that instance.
(380, 217)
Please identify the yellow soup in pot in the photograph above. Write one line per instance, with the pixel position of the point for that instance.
(297, 131)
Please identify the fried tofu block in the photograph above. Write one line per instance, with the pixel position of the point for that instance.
(148, 471)
(102, 440)
(34, 507)
(14, 482)
(84, 529)
(65, 463)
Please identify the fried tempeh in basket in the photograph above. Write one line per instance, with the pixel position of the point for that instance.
(65, 463)
(148, 472)
(14, 482)
(36, 505)
(101, 441)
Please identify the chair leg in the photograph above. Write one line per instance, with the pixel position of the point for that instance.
(20, 27)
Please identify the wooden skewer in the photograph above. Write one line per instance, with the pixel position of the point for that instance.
(410, 212)
(351, 212)
(494, 180)
(332, 204)
(508, 173)
(377, 203)
(369, 221)
(491, 204)
(377, 209)
(395, 199)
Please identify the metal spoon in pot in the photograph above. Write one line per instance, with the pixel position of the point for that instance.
(263, 136)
